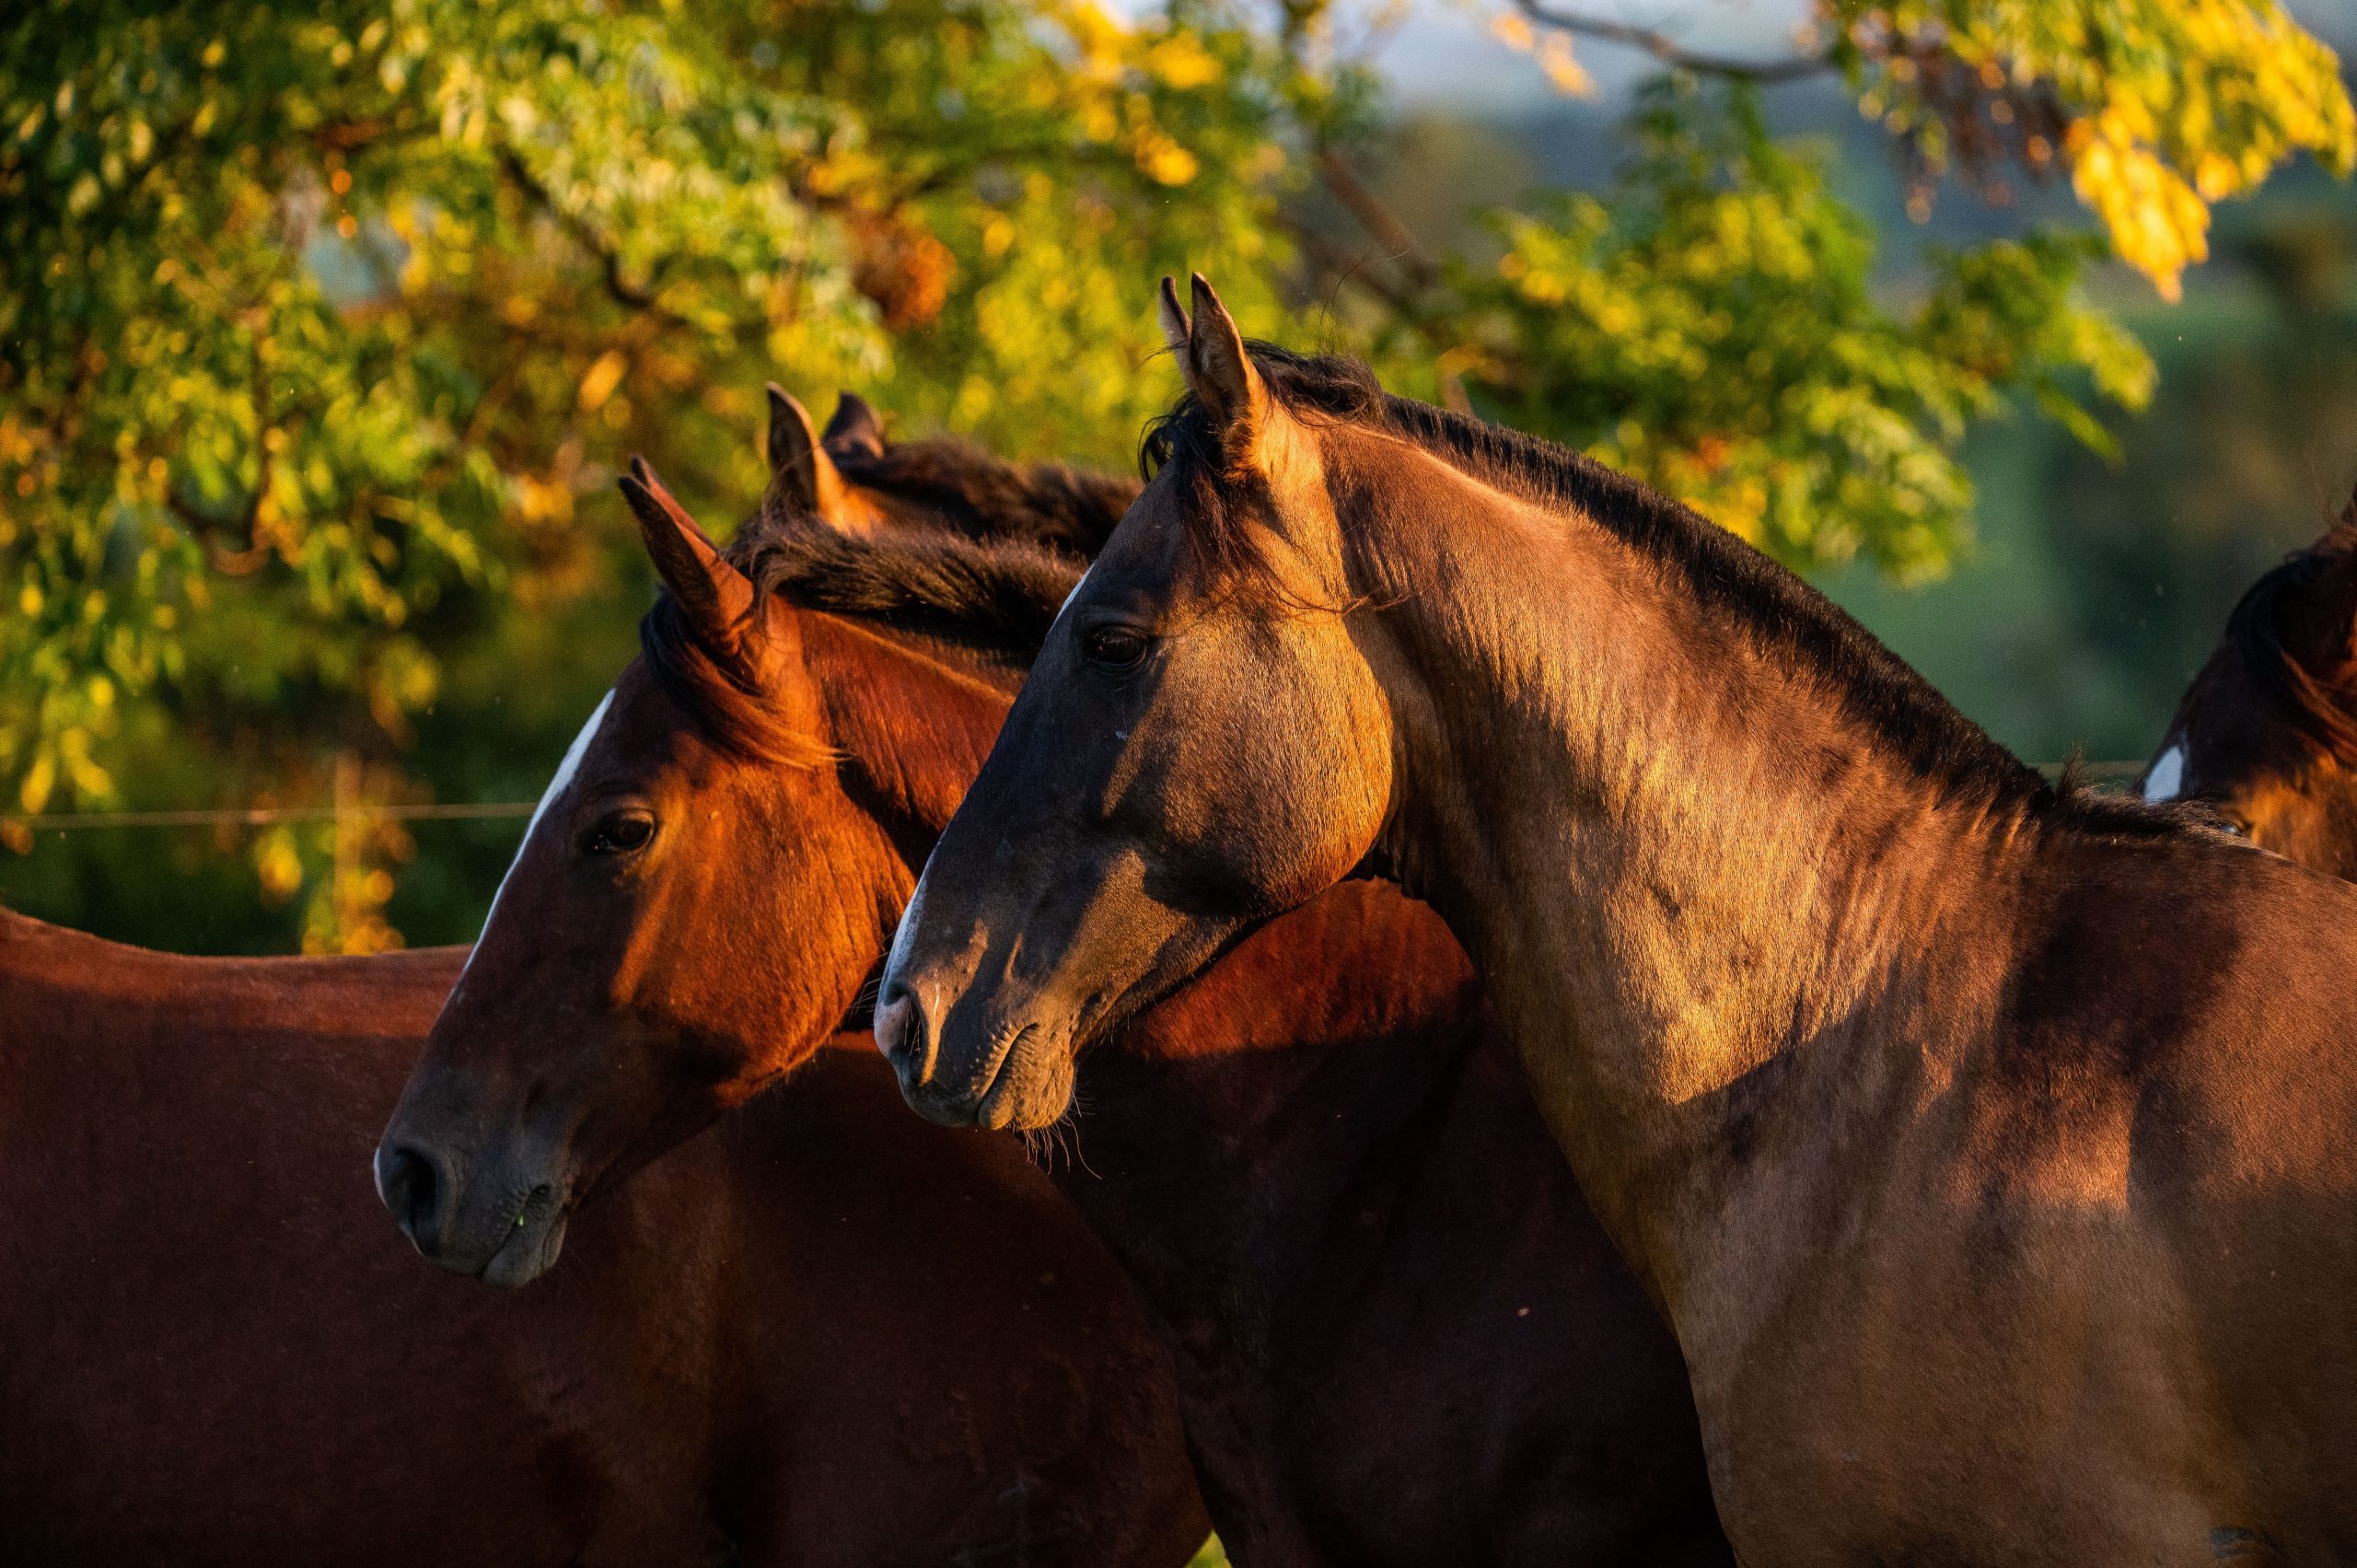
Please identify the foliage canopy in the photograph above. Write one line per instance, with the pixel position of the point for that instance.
(323, 327)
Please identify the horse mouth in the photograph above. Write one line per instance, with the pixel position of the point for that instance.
(530, 1246)
(1007, 1092)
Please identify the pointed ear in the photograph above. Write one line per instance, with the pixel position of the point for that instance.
(804, 479)
(718, 598)
(1219, 372)
(854, 431)
(799, 467)
(1175, 329)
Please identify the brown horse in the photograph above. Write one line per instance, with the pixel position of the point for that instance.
(1401, 1337)
(1986, 1145)
(2267, 733)
(804, 1337)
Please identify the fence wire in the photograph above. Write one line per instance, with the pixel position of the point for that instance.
(491, 810)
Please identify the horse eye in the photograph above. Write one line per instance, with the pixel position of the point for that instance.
(1113, 647)
(618, 834)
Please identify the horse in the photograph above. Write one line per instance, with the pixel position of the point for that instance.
(1400, 1337)
(2267, 733)
(1983, 1142)
(804, 1337)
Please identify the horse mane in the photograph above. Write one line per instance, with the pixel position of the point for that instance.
(2319, 705)
(953, 484)
(996, 597)
(1874, 686)
(987, 595)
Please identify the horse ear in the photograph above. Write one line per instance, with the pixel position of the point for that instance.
(1176, 328)
(803, 477)
(800, 471)
(854, 431)
(718, 598)
(1219, 372)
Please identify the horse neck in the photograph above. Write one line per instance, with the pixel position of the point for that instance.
(1704, 897)
(1295, 1081)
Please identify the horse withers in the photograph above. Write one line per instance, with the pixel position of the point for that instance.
(1401, 1338)
(1984, 1142)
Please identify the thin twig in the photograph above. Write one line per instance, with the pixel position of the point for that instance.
(1670, 51)
(1399, 245)
(1351, 268)
(587, 236)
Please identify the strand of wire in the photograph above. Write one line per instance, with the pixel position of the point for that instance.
(493, 810)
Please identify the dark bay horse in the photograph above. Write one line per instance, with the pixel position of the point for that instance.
(1986, 1145)
(1401, 1338)
(802, 1338)
(2267, 733)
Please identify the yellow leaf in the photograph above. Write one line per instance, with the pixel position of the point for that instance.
(603, 378)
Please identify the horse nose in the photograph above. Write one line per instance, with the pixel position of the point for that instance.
(413, 1188)
(911, 1042)
(901, 1035)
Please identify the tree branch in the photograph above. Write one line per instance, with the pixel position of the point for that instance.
(1670, 51)
(586, 235)
(1349, 268)
(1375, 218)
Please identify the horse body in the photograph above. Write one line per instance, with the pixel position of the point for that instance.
(1401, 1337)
(786, 1343)
(1998, 1200)
(1301, 1230)
(1977, 1139)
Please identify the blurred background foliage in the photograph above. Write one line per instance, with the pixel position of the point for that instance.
(324, 330)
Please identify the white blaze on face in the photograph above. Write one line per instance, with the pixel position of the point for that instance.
(2167, 778)
(564, 771)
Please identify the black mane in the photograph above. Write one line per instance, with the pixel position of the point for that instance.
(2318, 703)
(992, 596)
(948, 482)
(1875, 686)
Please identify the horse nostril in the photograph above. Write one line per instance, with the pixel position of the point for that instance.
(407, 1182)
(899, 1035)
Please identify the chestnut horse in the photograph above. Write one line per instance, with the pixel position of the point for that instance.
(805, 1337)
(2267, 733)
(1401, 1338)
(1986, 1145)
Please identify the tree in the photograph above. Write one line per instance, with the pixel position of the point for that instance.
(318, 321)
(323, 327)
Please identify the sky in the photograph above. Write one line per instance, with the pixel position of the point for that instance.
(1442, 53)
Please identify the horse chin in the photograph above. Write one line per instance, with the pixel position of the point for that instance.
(530, 1250)
(1033, 1088)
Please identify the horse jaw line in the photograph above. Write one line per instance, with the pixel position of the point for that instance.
(564, 771)
(2168, 776)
